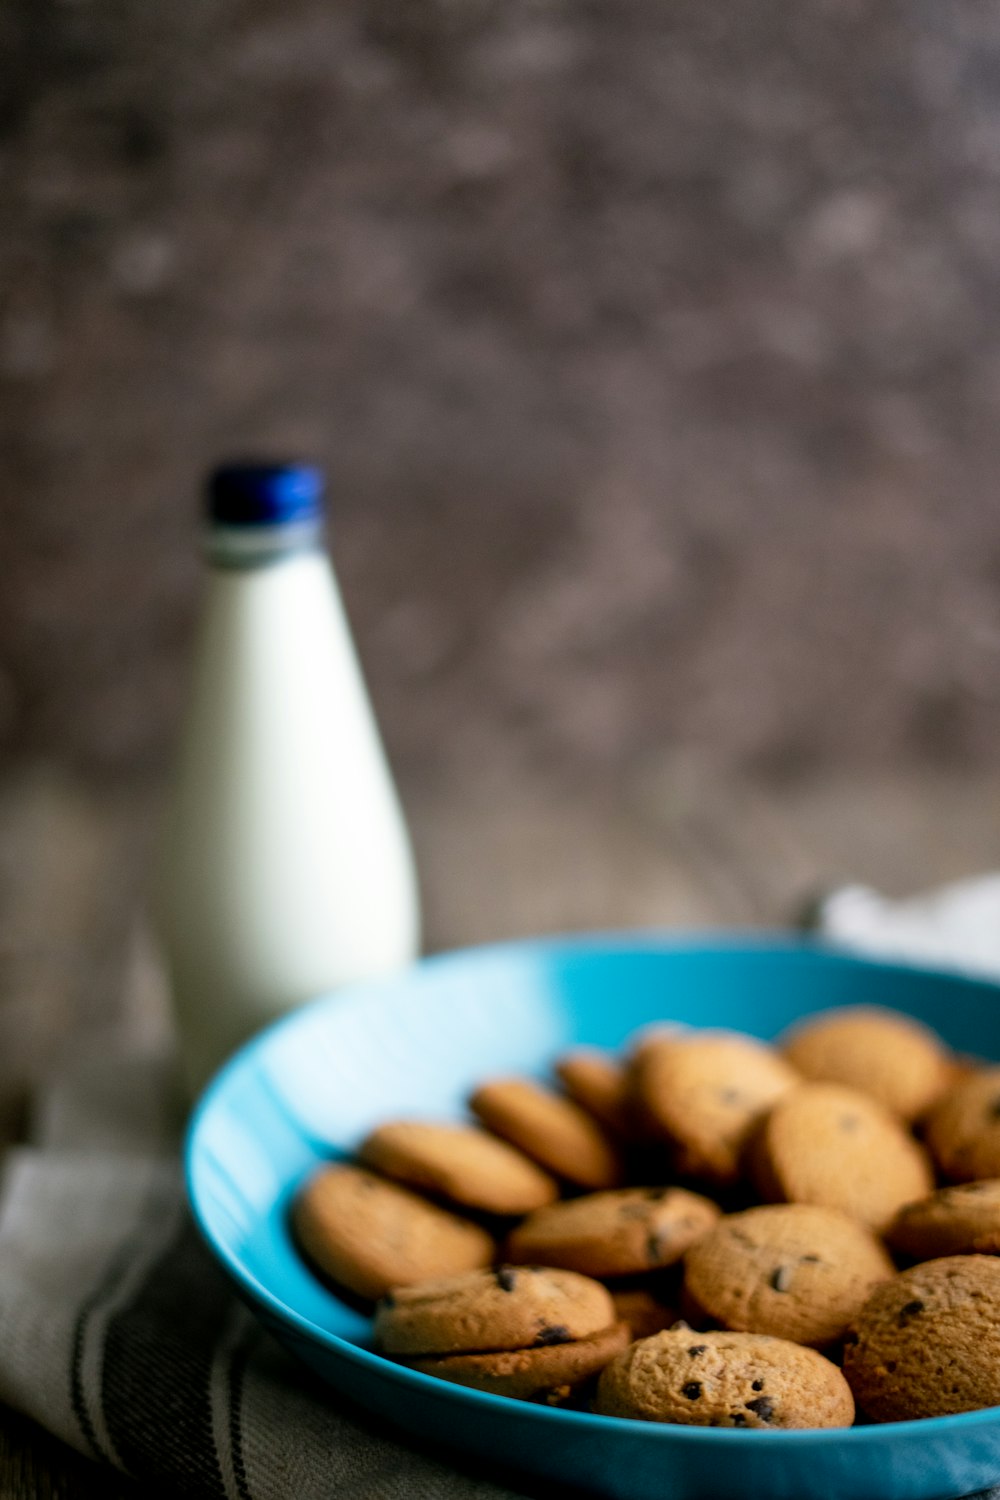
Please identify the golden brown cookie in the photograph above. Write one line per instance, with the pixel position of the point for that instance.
(963, 1128)
(724, 1380)
(644, 1309)
(459, 1162)
(617, 1233)
(891, 1056)
(928, 1342)
(511, 1307)
(598, 1082)
(370, 1235)
(551, 1374)
(792, 1270)
(551, 1130)
(832, 1146)
(704, 1091)
(952, 1221)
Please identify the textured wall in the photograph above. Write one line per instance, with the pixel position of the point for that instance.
(652, 349)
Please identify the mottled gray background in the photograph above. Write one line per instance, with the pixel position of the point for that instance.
(652, 349)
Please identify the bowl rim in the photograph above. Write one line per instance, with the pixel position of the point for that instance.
(639, 941)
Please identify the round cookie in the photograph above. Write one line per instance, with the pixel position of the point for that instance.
(963, 1128)
(952, 1221)
(551, 1374)
(791, 1270)
(704, 1091)
(598, 1082)
(461, 1163)
(724, 1380)
(617, 1233)
(553, 1131)
(370, 1235)
(511, 1307)
(927, 1343)
(832, 1146)
(893, 1057)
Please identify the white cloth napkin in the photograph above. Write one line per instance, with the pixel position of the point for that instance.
(119, 1334)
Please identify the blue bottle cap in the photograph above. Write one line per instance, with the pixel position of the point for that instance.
(264, 494)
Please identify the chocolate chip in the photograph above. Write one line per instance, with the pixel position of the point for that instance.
(781, 1279)
(763, 1406)
(890, 1366)
(656, 1195)
(655, 1246)
(758, 1385)
(681, 1324)
(813, 1259)
(994, 1109)
(909, 1311)
(551, 1333)
(506, 1278)
(697, 1349)
(692, 1390)
(738, 1419)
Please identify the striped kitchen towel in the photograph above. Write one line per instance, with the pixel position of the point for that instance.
(120, 1335)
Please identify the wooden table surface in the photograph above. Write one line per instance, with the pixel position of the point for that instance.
(674, 846)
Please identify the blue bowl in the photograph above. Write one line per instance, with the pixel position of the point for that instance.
(311, 1086)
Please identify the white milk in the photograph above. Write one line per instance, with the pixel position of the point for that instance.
(285, 869)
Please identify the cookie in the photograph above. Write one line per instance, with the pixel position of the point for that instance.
(370, 1235)
(551, 1374)
(643, 1309)
(704, 1091)
(618, 1233)
(928, 1342)
(792, 1270)
(834, 1147)
(724, 1380)
(598, 1082)
(963, 1128)
(553, 1131)
(511, 1307)
(461, 1163)
(894, 1058)
(952, 1221)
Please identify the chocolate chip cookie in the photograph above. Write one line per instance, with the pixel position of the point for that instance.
(826, 1144)
(511, 1307)
(551, 1374)
(619, 1233)
(792, 1270)
(553, 1131)
(928, 1342)
(598, 1082)
(704, 1091)
(894, 1058)
(370, 1235)
(459, 1162)
(953, 1221)
(963, 1128)
(724, 1380)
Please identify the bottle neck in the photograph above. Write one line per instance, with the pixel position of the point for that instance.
(248, 547)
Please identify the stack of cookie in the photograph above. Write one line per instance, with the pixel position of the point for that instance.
(728, 1230)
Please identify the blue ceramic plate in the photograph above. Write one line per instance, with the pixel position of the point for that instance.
(313, 1085)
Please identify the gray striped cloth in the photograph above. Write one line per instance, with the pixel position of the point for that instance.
(119, 1334)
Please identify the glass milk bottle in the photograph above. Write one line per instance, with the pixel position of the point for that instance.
(285, 869)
